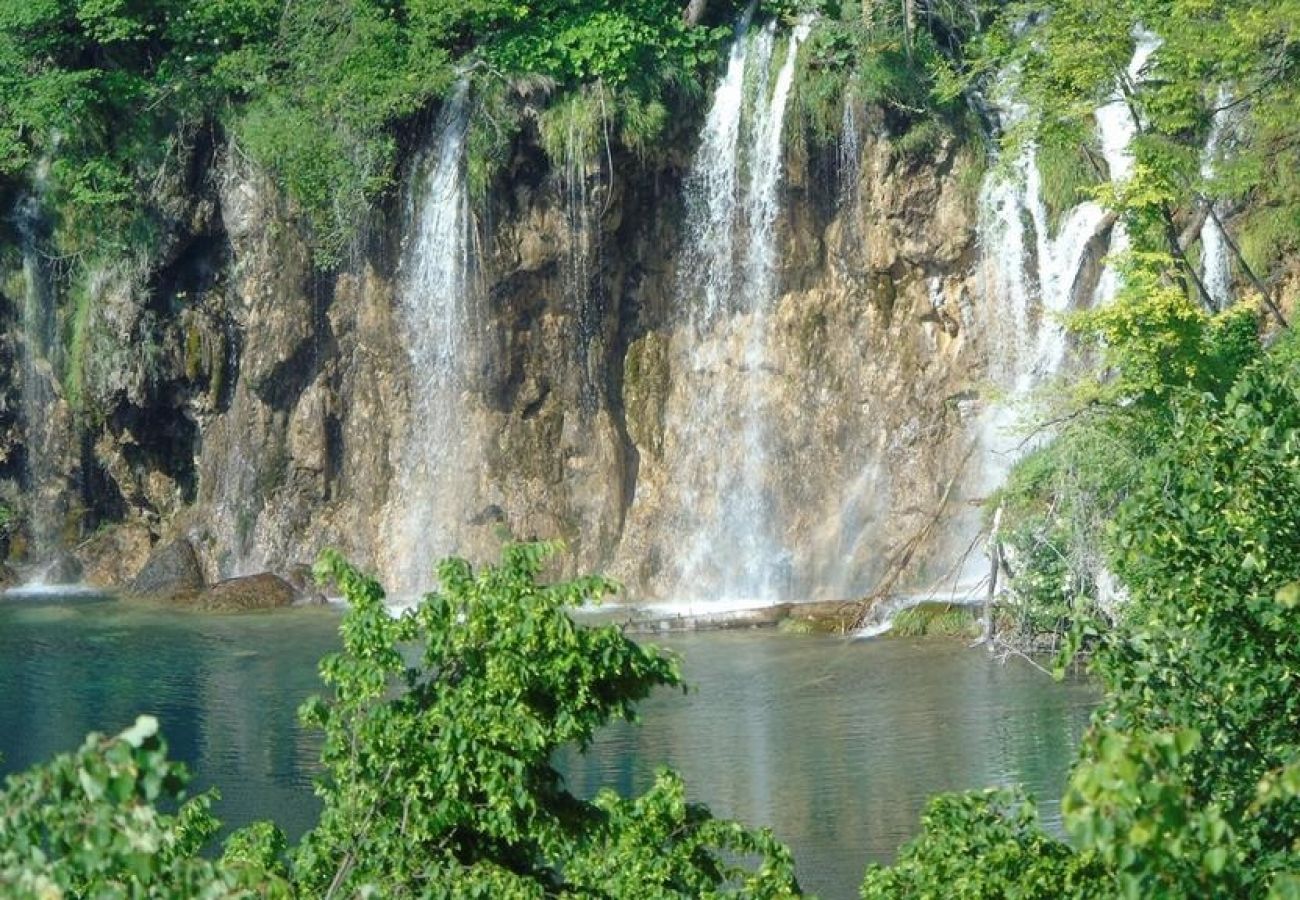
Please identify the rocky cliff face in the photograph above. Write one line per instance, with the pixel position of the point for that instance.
(258, 406)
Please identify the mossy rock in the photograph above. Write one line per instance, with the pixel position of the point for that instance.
(646, 384)
(247, 594)
(171, 573)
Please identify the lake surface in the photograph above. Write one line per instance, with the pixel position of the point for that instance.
(834, 744)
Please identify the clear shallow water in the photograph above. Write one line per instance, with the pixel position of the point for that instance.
(835, 745)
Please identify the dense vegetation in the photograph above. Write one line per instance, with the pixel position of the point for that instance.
(100, 98)
(439, 730)
(1173, 466)
(103, 101)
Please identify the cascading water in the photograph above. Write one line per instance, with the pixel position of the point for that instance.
(583, 249)
(1216, 264)
(437, 303)
(38, 349)
(1030, 279)
(732, 549)
(849, 157)
(1116, 129)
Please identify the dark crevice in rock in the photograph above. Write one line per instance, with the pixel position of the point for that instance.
(100, 495)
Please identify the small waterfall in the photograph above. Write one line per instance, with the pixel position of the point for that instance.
(1116, 129)
(1216, 263)
(583, 251)
(731, 544)
(713, 185)
(436, 298)
(1031, 277)
(849, 157)
(44, 437)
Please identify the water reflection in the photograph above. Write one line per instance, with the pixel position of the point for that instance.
(225, 688)
(836, 745)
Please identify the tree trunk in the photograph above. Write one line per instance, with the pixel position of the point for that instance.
(694, 12)
(1265, 294)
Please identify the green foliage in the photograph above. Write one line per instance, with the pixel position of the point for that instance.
(1269, 235)
(572, 128)
(88, 824)
(985, 845)
(1070, 56)
(1187, 784)
(449, 779)
(1156, 349)
(102, 100)
(1176, 468)
(934, 620)
(439, 730)
(1068, 176)
(866, 53)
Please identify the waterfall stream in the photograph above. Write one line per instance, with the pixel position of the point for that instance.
(1216, 264)
(435, 471)
(38, 351)
(730, 540)
(1030, 279)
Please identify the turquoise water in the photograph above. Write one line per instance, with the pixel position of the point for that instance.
(835, 745)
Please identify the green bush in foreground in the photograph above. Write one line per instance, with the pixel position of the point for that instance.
(1188, 784)
(439, 730)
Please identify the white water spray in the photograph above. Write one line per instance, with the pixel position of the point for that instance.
(731, 545)
(1216, 263)
(1030, 279)
(438, 307)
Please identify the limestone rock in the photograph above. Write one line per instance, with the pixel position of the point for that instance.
(246, 594)
(302, 580)
(113, 556)
(171, 572)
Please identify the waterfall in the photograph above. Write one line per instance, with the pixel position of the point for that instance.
(731, 547)
(44, 437)
(583, 249)
(437, 305)
(1216, 265)
(849, 157)
(1116, 128)
(1030, 278)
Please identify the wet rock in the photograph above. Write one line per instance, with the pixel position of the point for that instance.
(63, 569)
(113, 556)
(8, 577)
(251, 592)
(308, 592)
(171, 573)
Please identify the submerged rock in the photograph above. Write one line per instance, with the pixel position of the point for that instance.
(171, 573)
(251, 592)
